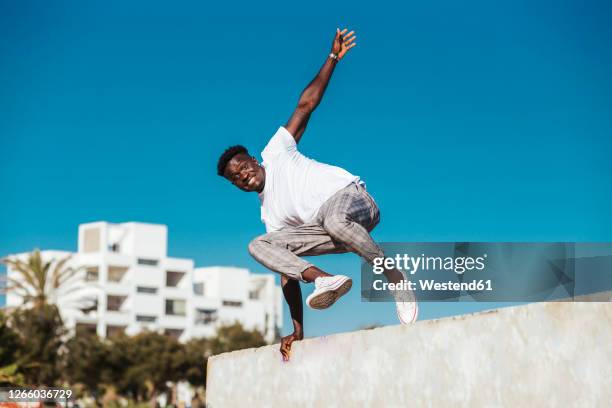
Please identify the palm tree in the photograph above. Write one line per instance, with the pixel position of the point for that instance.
(42, 282)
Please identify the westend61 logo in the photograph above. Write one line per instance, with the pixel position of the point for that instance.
(413, 264)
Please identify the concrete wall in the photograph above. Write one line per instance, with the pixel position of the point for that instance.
(540, 355)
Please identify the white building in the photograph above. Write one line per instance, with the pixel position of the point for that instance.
(128, 283)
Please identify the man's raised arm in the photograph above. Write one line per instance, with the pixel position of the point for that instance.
(312, 95)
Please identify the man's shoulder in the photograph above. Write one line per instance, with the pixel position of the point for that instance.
(281, 142)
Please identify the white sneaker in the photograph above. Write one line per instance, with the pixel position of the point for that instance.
(407, 307)
(328, 289)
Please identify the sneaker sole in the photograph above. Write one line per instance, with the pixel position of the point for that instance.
(326, 299)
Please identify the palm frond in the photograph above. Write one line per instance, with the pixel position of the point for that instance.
(16, 290)
(16, 284)
(23, 269)
(67, 276)
(58, 271)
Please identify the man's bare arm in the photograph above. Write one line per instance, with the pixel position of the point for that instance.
(293, 296)
(313, 93)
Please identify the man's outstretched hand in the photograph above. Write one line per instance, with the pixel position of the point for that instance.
(285, 347)
(343, 42)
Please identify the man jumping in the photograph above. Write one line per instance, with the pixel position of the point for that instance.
(309, 208)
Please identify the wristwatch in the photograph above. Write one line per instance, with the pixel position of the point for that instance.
(334, 56)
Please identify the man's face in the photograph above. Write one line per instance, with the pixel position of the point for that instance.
(245, 173)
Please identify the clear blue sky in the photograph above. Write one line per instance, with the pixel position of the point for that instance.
(470, 121)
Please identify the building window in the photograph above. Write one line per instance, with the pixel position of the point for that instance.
(173, 279)
(146, 289)
(91, 240)
(92, 274)
(254, 295)
(175, 307)
(198, 288)
(114, 303)
(232, 303)
(114, 247)
(85, 328)
(206, 316)
(176, 333)
(146, 319)
(113, 331)
(147, 262)
(116, 273)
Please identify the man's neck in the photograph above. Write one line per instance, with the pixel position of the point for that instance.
(263, 185)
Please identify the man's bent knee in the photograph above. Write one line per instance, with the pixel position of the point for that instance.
(266, 251)
(256, 246)
(263, 242)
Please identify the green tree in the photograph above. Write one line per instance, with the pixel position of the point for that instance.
(85, 360)
(139, 366)
(10, 377)
(194, 357)
(10, 345)
(192, 361)
(157, 359)
(235, 337)
(9, 342)
(41, 331)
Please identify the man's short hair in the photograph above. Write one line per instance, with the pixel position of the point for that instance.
(227, 156)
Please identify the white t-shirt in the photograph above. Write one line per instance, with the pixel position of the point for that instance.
(295, 186)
